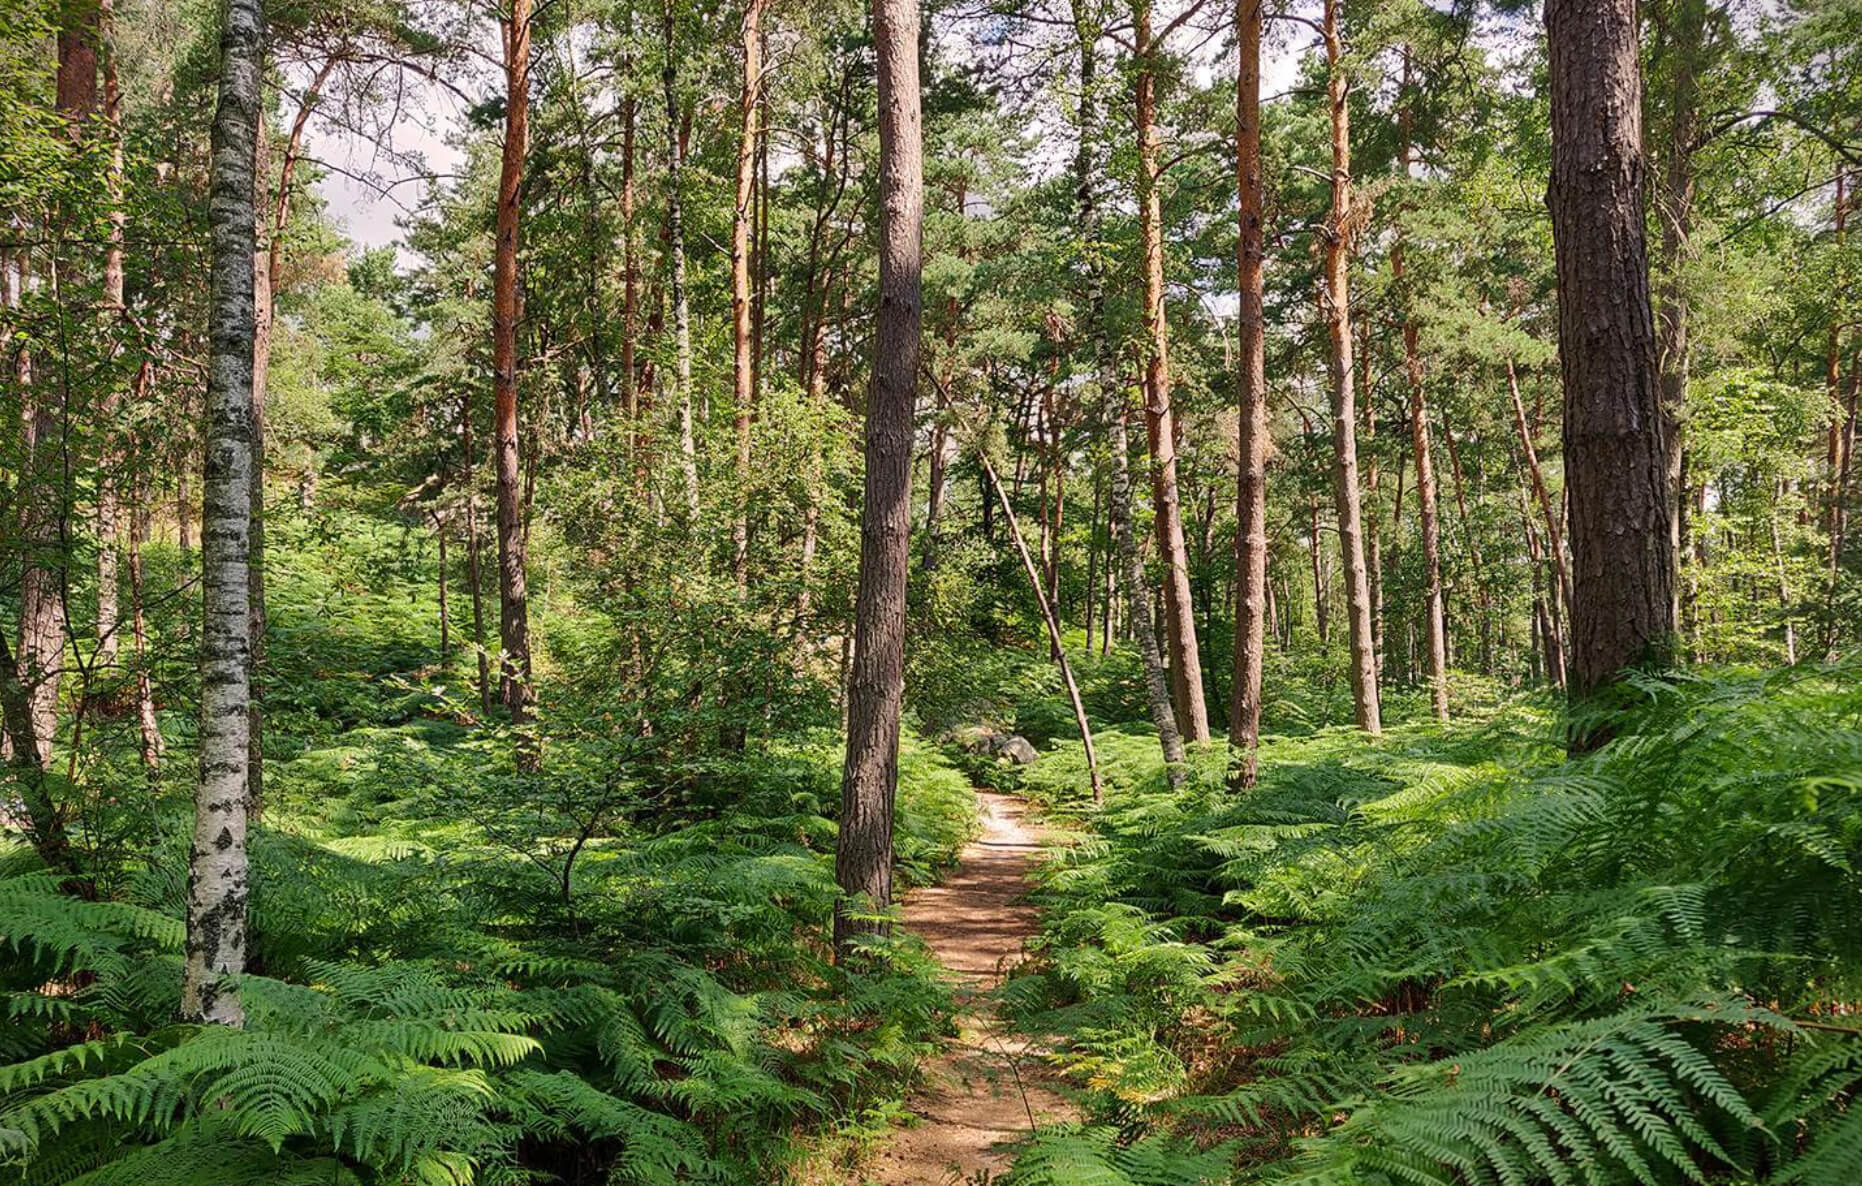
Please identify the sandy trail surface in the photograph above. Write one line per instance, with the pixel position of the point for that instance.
(991, 1086)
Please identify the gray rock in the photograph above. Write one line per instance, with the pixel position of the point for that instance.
(1020, 750)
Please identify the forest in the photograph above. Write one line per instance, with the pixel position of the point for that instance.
(1002, 593)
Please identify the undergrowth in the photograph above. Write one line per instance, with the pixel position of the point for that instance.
(1452, 956)
(612, 969)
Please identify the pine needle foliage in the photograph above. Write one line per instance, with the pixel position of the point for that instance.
(1454, 957)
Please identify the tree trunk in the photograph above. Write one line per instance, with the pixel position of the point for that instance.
(1675, 207)
(675, 248)
(446, 638)
(1255, 441)
(217, 869)
(515, 689)
(743, 355)
(1053, 630)
(1471, 538)
(1092, 564)
(1185, 660)
(474, 571)
(1548, 514)
(1435, 626)
(1373, 480)
(1321, 599)
(1341, 228)
(1623, 575)
(869, 781)
(630, 278)
(149, 729)
(44, 492)
(1124, 565)
(108, 498)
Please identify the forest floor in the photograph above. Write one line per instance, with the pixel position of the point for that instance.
(991, 1086)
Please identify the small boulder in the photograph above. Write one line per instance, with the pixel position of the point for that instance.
(1019, 750)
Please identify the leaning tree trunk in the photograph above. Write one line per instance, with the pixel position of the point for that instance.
(1339, 232)
(1244, 718)
(675, 251)
(876, 683)
(1123, 564)
(515, 689)
(1184, 657)
(217, 870)
(1622, 579)
(1053, 629)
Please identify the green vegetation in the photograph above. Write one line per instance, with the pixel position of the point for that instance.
(1454, 956)
(524, 523)
(462, 973)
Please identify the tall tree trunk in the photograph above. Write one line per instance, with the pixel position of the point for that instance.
(108, 498)
(45, 492)
(1435, 626)
(1341, 228)
(1124, 565)
(1255, 441)
(743, 354)
(1623, 576)
(675, 247)
(1841, 435)
(630, 277)
(1053, 629)
(1373, 480)
(1183, 655)
(515, 688)
(217, 868)
(1684, 33)
(869, 782)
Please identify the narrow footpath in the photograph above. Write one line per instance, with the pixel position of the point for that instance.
(991, 1086)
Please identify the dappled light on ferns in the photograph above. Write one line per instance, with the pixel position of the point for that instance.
(1458, 958)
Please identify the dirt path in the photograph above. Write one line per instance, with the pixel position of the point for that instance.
(990, 1086)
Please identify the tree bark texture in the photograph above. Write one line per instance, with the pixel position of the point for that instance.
(675, 251)
(1182, 653)
(1255, 441)
(1124, 565)
(1623, 576)
(217, 868)
(515, 689)
(1340, 230)
(1435, 626)
(876, 682)
(743, 354)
